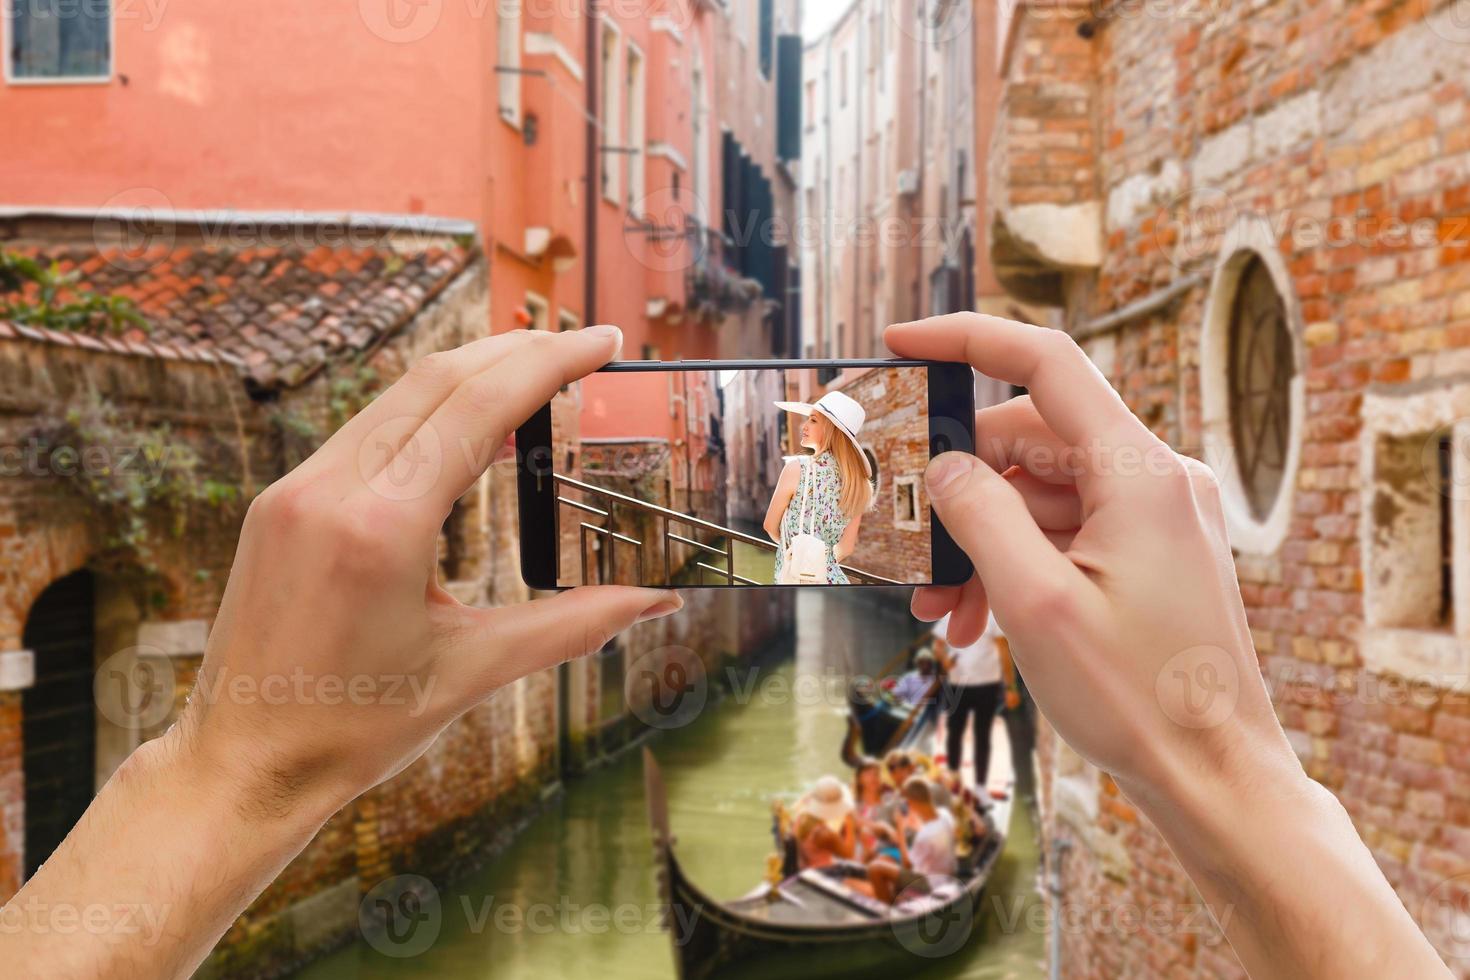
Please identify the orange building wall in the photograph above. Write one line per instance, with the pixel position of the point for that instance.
(268, 105)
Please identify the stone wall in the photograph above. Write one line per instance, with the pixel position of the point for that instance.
(441, 816)
(1331, 145)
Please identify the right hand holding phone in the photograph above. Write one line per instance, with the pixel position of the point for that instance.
(1104, 554)
(1106, 558)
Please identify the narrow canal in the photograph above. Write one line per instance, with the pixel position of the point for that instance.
(575, 896)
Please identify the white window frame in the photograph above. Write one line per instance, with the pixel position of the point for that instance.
(567, 320)
(11, 78)
(538, 304)
(508, 21)
(635, 90)
(610, 76)
(901, 522)
(1421, 654)
(1250, 237)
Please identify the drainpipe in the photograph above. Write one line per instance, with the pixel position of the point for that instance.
(858, 270)
(921, 195)
(589, 318)
(592, 165)
(1059, 848)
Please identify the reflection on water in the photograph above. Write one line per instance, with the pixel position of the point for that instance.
(575, 897)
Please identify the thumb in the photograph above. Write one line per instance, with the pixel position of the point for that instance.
(988, 518)
(500, 646)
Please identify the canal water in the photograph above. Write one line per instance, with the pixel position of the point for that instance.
(574, 897)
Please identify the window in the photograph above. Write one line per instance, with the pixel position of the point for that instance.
(811, 105)
(540, 311)
(567, 320)
(700, 159)
(1415, 532)
(1260, 372)
(59, 40)
(1252, 390)
(508, 59)
(906, 516)
(767, 36)
(842, 81)
(636, 101)
(611, 131)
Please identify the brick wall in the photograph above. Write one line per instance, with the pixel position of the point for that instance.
(1332, 143)
(897, 432)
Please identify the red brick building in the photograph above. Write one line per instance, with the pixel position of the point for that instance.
(1254, 218)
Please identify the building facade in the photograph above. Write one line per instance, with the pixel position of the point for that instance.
(893, 127)
(1253, 219)
(298, 214)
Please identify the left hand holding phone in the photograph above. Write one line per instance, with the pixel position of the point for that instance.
(354, 656)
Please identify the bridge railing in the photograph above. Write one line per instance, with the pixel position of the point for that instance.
(665, 520)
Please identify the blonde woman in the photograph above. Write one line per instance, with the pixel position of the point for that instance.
(840, 478)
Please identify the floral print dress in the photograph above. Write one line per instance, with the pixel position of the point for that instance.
(824, 512)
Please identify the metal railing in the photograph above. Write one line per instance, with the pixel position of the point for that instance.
(669, 518)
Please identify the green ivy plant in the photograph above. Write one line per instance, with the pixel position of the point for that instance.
(134, 477)
(79, 310)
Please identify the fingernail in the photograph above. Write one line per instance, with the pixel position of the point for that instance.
(945, 472)
(603, 330)
(671, 603)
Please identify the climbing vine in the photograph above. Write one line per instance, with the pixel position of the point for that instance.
(41, 295)
(135, 477)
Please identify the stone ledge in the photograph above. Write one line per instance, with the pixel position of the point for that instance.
(17, 670)
(178, 638)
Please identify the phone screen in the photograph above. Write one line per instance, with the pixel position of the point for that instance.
(747, 476)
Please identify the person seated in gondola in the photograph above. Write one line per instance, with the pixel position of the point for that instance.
(919, 686)
(825, 827)
(930, 852)
(869, 797)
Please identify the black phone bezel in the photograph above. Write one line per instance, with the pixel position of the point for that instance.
(951, 428)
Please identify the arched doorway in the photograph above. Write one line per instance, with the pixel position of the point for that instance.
(58, 719)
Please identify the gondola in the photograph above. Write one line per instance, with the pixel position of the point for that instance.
(877, 723)
(810, 914)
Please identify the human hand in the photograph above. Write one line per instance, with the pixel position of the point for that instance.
(1013, 698)
(333, 596)
(1106, 557)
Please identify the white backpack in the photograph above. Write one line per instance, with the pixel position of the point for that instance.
(805, 561)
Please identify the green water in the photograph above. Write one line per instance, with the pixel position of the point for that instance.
(575, 896)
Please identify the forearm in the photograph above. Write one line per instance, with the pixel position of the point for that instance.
(774, 517)
(1284, 873)
(170, 852)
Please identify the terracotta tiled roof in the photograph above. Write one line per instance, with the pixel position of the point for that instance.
(277, 313)
(117, 345)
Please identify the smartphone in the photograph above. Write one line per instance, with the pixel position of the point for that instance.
(725, 474)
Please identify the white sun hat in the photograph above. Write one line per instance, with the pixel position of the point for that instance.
(843, 412)
(829, 800)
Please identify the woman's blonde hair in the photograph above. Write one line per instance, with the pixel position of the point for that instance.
(857, 490)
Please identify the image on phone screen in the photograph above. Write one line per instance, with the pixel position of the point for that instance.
(738, 475)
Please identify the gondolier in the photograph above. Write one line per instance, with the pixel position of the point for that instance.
(972, 687)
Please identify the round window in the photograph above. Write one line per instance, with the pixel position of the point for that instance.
(1260, 369)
